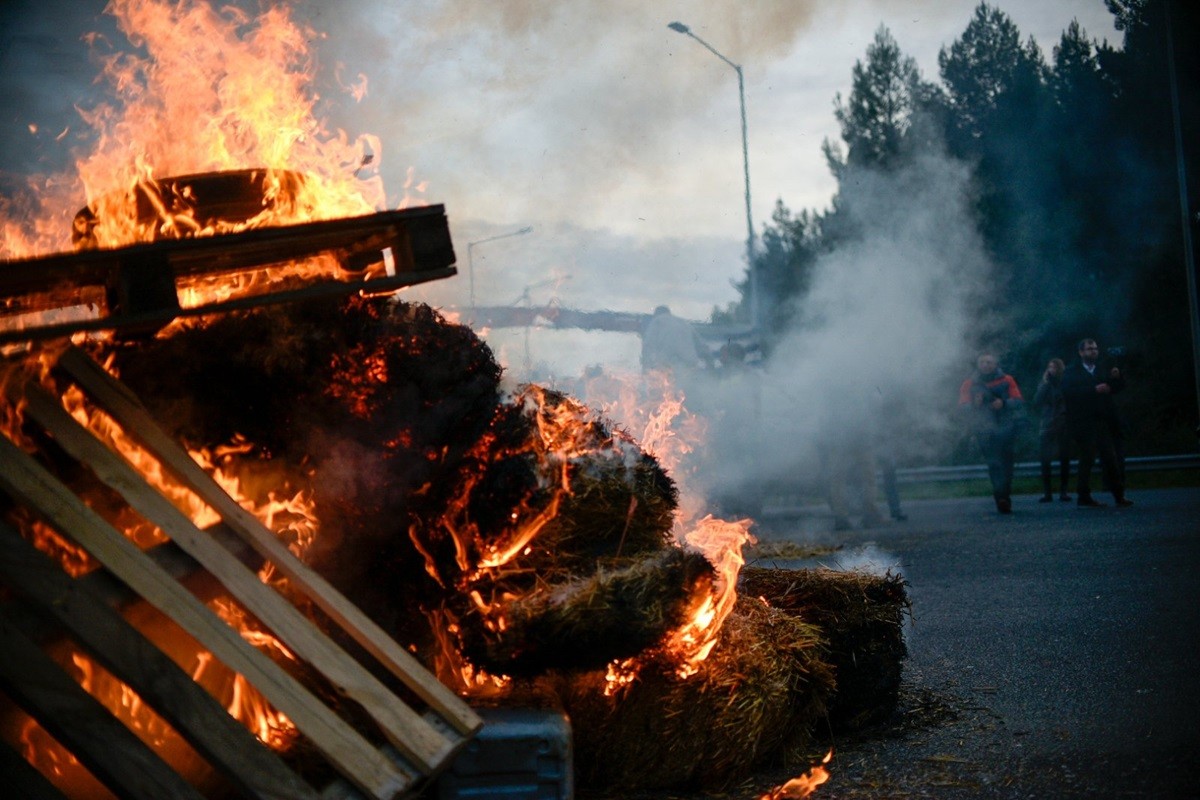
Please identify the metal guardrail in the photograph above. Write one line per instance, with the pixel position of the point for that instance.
(966, 472)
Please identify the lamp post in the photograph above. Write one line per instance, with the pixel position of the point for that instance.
(471, 256)
(679, 27)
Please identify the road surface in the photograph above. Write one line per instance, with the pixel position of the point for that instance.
(1052, 653)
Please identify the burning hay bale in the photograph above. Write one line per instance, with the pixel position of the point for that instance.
(861, 619)
(584, 623)
(760, 692)
(356, 402)
(550, 472)
(430, 491)
(549, 493)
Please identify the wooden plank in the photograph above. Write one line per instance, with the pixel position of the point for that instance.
(109, 750)
(426, 227)
(108, 589)
(250, 766)
(23, 780)
(115, 398)
(356, 758)
(402, 726)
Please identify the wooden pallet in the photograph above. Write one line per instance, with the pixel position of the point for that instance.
(420, 741)
(135, 287)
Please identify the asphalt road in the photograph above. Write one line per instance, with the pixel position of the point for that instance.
(1052, 653)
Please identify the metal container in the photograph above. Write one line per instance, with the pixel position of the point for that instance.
(519, 754)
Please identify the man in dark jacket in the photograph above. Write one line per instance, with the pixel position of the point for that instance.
(991, 400)
(1092, 421)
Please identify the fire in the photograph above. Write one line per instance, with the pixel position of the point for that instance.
(291, 517)
(653, 404)
(802, 786)
(721, 542)
(452, 669)
(208, 90)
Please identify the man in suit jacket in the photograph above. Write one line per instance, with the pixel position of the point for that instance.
(1092, 421)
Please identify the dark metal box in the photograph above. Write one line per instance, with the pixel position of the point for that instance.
(519, 754)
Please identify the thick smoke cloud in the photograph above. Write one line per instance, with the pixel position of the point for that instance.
(884, 335)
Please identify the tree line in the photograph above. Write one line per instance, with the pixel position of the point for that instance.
(1076, 164)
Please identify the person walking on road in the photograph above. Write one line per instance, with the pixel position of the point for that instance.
(1052, 431)
(1093, 423)
(992, 400)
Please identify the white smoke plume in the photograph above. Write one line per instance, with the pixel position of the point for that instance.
(886, 333)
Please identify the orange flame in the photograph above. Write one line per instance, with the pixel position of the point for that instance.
(292, 518)
(653, 404)
(802, 786)
(209, 90)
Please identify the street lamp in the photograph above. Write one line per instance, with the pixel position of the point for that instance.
(679, 27)
(471, 255)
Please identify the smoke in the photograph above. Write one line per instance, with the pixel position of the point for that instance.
(513, 111)
(885, 335)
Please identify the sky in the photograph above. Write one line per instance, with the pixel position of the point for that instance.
(616, 139)
(619, 139)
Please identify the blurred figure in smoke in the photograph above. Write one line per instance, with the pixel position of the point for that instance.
(1053, 441)
(888, 437)
(731, 400)
(991, 400)
(1092, 422)
(848, 458)
(671, 343)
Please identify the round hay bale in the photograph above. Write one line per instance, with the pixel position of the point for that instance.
(363, 400)
(762, 689)
(550, 487)
(583, 623)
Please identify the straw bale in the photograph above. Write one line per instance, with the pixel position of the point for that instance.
(361, 401)
(861, 618)
(592, 490)
(384, 373)
(762, 689)
(584, 623)
(619, 500)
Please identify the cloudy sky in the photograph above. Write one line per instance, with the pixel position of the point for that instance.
(615, 138)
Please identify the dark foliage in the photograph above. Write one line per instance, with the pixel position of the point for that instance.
(1078, 165)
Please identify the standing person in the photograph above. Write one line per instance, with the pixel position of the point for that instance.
(891, 486)
(1092, 422)
(1052, 431)
(671, 343)
(991, 400)
(849, 461)
(891, 425)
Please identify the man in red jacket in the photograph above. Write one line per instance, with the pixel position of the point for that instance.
(991, 400)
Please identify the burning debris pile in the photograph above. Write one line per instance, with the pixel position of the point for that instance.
(524, 548)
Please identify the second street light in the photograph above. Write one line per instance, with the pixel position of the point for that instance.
(679, 27)
(471, 256)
